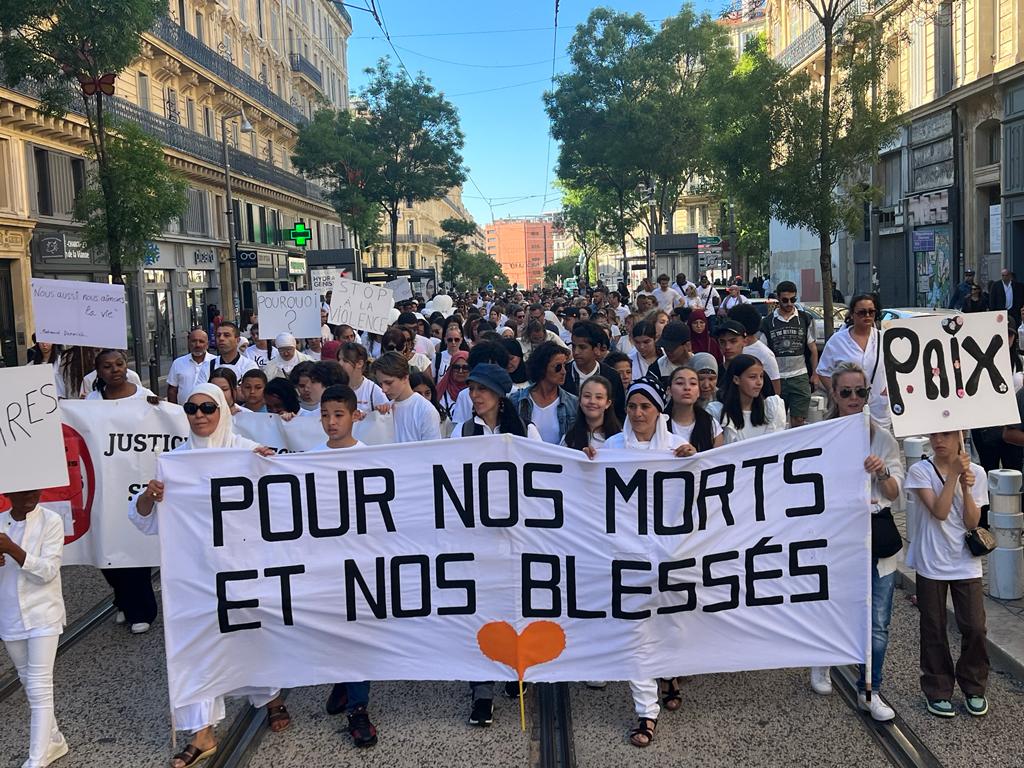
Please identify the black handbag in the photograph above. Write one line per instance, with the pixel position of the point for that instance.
(980, 541)
(885, 536)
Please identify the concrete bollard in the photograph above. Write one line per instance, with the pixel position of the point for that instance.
(1006, 561)
(817, 409)
(914, 449)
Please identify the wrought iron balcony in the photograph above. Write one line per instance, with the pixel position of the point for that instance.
(303, 66)
(401, 238)
(193, 48)
(813, 38)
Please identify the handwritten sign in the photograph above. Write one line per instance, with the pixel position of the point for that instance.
(400, 287)
(363, 306)
(948, 372)
(322, 279)
(85, 314)
(31, 441)
(294, 312)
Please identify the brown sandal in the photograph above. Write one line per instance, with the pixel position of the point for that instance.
(671, 700)
(643, 734)
(278, 718)
(191, 755)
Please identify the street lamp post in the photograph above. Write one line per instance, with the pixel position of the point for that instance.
(236, 272)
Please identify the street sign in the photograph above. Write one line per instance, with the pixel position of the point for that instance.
(570, 284)
(246, 258)
(709, 240)
(300, 234)
(489, 287)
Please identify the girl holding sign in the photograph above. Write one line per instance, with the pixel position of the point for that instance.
(952, 490)
(210, 426)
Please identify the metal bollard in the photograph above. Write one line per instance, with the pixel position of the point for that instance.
(914, 449)
(1006, 561)
(816, 410)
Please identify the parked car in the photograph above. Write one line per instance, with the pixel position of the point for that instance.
(817, 313)
(902, 313)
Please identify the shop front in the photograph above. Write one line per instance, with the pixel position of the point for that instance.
(178, 282)
(15, 304)
(1012, 213)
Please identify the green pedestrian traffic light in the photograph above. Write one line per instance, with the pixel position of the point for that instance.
(300, 234)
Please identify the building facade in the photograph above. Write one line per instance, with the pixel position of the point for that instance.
(523, 247)
(951, 186)
(202, 67)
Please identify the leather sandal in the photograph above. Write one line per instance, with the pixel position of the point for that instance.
(671, 700)
(643, 734)
(278, 718)
(191, 755)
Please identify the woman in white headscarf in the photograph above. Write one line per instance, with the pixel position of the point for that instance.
(211, 426)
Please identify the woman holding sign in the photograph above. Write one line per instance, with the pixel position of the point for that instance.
(210, 426)
(952, 490)
(885, 465)
(860, 342)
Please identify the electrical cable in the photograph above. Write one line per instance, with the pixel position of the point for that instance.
(547, 162)
(477, 66)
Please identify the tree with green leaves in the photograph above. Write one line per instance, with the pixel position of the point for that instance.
(838, 128)
(74, 49)
(588, 217)
(454, 245)
(560, 269)
(405, 146)
(475, 270)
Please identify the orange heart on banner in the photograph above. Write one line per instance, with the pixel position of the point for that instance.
(540, 642)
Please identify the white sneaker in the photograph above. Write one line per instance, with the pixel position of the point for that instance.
(54, 752)
(879, 710)
(119, 617)
(597, 684)
(820, 680)
(141, 628)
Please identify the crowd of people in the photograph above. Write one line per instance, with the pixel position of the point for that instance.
(676, 367)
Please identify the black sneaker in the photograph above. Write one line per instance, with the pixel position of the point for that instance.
(338, 699)
(362, 731)
(483, 713)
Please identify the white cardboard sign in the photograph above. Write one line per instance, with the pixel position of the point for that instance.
(400, 288)
(294, 312)
(948, 372)
(77, 313)
(322, 279)
(31, 441)
(363, 306)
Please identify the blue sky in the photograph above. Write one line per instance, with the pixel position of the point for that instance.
(506, 44)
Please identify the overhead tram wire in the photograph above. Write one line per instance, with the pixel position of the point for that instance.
(454, 34)
(547, 161)
(474, 65)
(378, 17)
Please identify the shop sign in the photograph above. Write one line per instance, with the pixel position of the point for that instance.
(924, 241)
(204, 258)
(296, 266)
(58, 245)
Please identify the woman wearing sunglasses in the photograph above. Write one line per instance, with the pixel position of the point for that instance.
(545, 403)
(885, 466)
(860, 342)
(210, 426)
(451, 342)
(454, 381)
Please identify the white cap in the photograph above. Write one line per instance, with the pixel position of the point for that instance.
(284, 340)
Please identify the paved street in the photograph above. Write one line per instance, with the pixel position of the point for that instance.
(112, 705)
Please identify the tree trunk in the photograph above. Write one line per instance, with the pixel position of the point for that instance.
(109, 197)
(825, 182)
(393, 214)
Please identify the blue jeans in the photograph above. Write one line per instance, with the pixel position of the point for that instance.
(881, 611)
(358, 695)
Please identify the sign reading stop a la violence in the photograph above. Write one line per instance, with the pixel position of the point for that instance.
(948, 372)
(31, 442)
(363, 306)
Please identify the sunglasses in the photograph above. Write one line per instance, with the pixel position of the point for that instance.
(787, 301)
(861, 392)
(453, 341)
(191, 409)
(558, 367)
(460, 368)
(864, 312)
(394, 348)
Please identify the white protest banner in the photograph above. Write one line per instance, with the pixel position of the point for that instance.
(631, 566)
(31, 445)
(294, 312)
(363, 306)
(304, 433)
(400, 288)
(111, 448)
(84, 314)
(947, 372)
(321, 279)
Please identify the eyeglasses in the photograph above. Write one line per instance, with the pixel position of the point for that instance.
(192, 408)
(864, 312)
(862, 392)
(787, 301)
(460, 368)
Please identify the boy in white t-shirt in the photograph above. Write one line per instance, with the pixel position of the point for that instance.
(337, 414)
(951, 491)
(416, 418)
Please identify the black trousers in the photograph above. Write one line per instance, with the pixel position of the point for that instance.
(133, 593)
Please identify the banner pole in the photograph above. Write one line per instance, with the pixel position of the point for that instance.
(871, 575)
(522, 707)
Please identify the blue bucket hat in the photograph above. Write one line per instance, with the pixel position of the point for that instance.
(492, 376)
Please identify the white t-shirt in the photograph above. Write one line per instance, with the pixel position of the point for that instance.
(463, 409)
(421, 362)
(546, 420)
(937, 548)
(685, 430)
(415, 420)
(640, 366)
(667, 299)
(442, 366)
(326, 447)
(186, 374)
(12, 627)
(369, 395)
(133, 377)
(241, 366)
(774, 414)
(260, 356)
(729, 301)
(531, 430)
(140, 393)
(596, 439)
(762, 352)
(842, 346)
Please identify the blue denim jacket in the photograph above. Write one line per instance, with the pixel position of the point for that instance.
(568, 405)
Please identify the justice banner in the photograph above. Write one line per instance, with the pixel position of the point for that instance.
(496, 557)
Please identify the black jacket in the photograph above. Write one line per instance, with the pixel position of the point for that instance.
(997, 298)
(572, 385)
